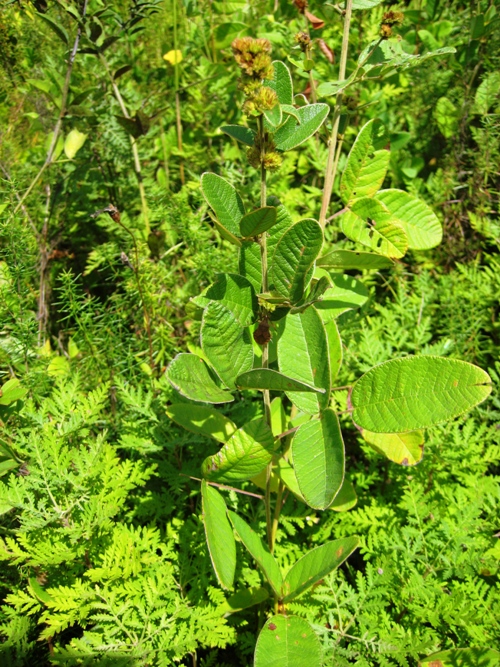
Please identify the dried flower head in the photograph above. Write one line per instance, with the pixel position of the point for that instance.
(393, 18)
(264, 153)
(303, 39)
(253, 56)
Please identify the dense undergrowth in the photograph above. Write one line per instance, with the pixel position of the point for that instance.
(104, 560)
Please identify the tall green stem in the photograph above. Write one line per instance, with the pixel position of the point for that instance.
(332, 144)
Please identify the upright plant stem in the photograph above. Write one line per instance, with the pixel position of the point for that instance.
(178, 117)
(331, 165)
(62, 113)
(265, 349)
(133, 144)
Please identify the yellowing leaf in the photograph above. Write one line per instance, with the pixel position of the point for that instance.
(74, 141)
(174, 57)
(406, 449)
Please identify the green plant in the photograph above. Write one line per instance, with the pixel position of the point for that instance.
(271, 327)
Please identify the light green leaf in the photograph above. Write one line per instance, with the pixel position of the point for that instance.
(281, 83)
(283, 224)
(266, 378)
(190, 376)
(73, 142)
(487, 93)
(335, 351)
(236, 293)
(463, 657)
(11, 391)
(388, 55)
(58, 367)
(202, 419)
(365, 4)
(258, 221)
(318, 459)
(287, 641)
(293, 133)
(293, 258)
(351, 259)
(7, 465)
(407, 449)
(244, 599)
(346, 498)
(290, 110)
(278, 416)
(367, 163)
(417, 392)
(226, 344)
(370, 222)
(346, 294)
(243, 134)
(249, 263)
(328, 88)
(446, 115)
(224, 200)
(303, 355)
(225, 233)
(259, 551)
(224, 33)
(55, 27)
(219, 534)
(245, 454)
(316, 292)
(316, 564)
(273, 117)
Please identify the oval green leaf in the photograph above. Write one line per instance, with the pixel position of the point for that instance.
(281, 83)
(463, 657)
(287, 641)
(318, 459)
(351, 259)
(293, 133)
(316, 564)
(236, 293)
(293, 258)
(303, 355)
(418, 220)
(259, 551)
(203, 420)
(224, 200)
(417, 392)
(367, 163)
(243, 134)
(219, 534)
(256, 222)
(226, 344)
(250, 264)
(369, 222)
(347, 293)
(266, 378)
(189, 374)
(245, 454)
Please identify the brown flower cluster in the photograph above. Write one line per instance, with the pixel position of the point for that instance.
(254, 57)
(263, 152)
(389, 20)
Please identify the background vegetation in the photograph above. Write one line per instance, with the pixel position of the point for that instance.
(96, 497)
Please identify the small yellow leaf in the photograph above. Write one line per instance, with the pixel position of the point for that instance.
(74, 141)
(173, 57)
(58, 367)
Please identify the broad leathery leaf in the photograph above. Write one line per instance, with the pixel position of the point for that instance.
(250, 263)
(334, 348)
(463, 657)
(370, 222)
(293, 257)
(73, 142)
(293, 133)
(367, 164)
(240, 133)
(225, 233)
(11, 391)
(219, 534)
(283, 224)
(318, 459)
(258, 221)
(351, 259)
(245, 454)
(290, 110)
(418, 220)
(347, 293)
(236, 293)
(189, 374)
(316, 564)
(224, 200)
(303, 355)
(287, 641)
(259, 551)
(247, 597)
(407, 449)
(266, 378)
(281, 83)
(417, 392)
(346, 498)
(226, 344)
(203, 420)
